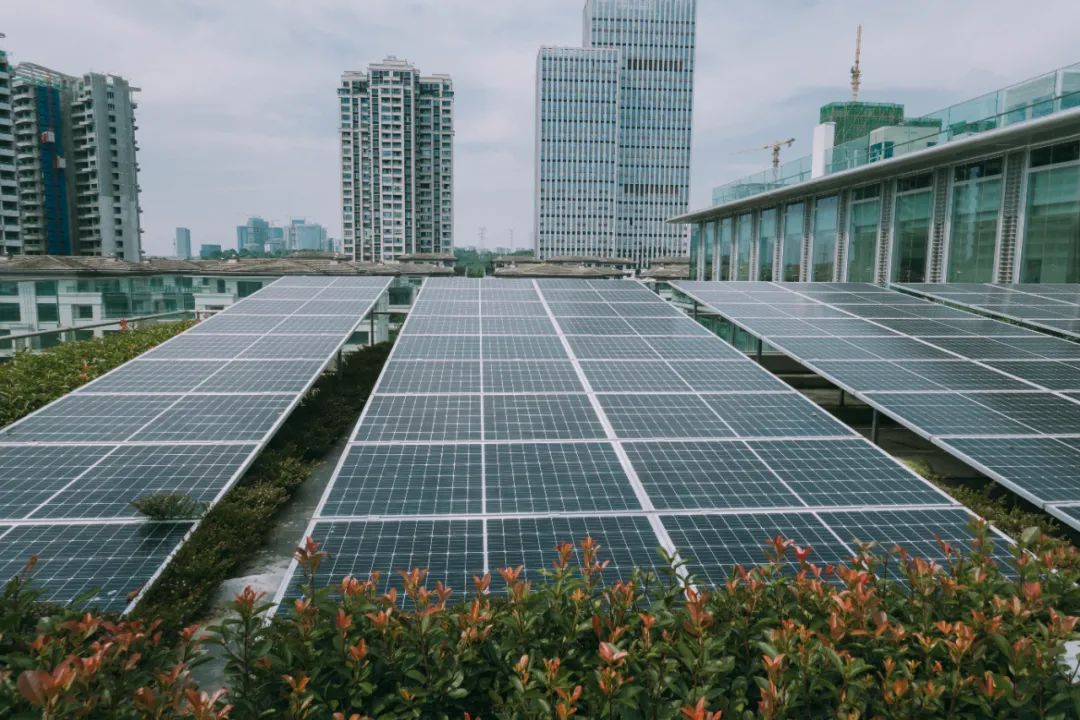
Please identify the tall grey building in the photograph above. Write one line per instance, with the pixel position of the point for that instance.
(397, 172)
(75, 172)
(10, 241)
(183, 243)
(613, 132)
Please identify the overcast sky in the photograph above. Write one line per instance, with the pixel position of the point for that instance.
(237, 113)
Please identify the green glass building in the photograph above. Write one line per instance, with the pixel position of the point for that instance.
(983, 191)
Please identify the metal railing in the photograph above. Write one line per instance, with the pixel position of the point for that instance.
(38, 340)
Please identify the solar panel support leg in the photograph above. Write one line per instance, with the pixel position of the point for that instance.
(371, 335)
(731, 333)
(757, 350)
(842, 395)
(875, 425)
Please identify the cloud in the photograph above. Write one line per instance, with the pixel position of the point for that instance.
(237, 113)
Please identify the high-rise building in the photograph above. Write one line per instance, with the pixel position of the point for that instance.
(253, 236)
(397, 174)
(613, 132)
(10, 241)
(183, 243)
(75, 172)
(307, 236)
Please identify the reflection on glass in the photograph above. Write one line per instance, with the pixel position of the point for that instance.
(823, 250)
(766, 243)
(710, 250)
(793, 235)
(723, 250)
(742, 246)
(973, 230)
(862, 240)
(911, 236)
(1051, 252)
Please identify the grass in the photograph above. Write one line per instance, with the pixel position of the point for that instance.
(234, 529)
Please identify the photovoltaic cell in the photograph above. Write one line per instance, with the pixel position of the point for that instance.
(434, 376)
(633, 376)
(1046, 467)
(535, 417)
(530, 376)
(101, 562)
(781, 414)
(553, 478)
(131, 472)
(663, 416)
(278, 376)
(626, 542)
(31, 474)
(88, 418)
(681, 476)
(396, 418)
(216, 417)
(153, 377)
(407, 480)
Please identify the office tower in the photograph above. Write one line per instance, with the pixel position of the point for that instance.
(397, 130)
(183, 243)
(275, 240)
(253, 236)
(613, 132)
(10, 241)
(307, 236)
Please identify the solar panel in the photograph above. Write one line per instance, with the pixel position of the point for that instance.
(187, 417)
(556, 478)
(976, 387)
(407, 480)
(610, 415)
(1048, 307)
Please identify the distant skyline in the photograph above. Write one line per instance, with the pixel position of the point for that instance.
(236, 113)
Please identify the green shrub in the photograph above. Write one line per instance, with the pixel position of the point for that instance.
(168, 506)
(30, 380)
(786, 639)
(236, 527)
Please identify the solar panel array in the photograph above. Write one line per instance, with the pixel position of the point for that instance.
(516, 414)
(1004, 399)
(186, 417)
(1051, 306)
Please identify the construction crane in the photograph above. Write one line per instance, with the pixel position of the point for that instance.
(856, 74)
(775, 147)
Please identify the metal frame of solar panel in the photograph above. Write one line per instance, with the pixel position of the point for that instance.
(994, 395)
(629, 453)
(1053, 307)
(186, 417)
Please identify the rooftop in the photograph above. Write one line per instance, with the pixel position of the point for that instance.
(66, 264)
(540, 270)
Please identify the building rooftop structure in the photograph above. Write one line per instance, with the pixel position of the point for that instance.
(667, 272)
(39, 264)
(592, 260)
(556, 270)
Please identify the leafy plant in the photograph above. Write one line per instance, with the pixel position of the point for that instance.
(168, 506)
(964, 638)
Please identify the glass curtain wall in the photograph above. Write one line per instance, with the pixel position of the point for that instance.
(976, 203)
(723, 250)
(793, 234)
(743, 235)
(1051, 251)
(911, 228)
(823, 251)
(710, 250)
(695, 247)
(862, 233)
(766, 243)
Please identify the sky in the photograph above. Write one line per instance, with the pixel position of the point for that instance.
(237, 109)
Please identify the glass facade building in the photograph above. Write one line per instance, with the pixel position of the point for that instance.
(992, 196)
(613, 132)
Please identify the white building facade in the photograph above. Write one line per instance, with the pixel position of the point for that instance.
(613, 132)
(397, 130)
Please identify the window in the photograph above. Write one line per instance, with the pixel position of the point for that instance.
(823, 251)
(1051, 250)
(766, 243)
(83, 312)
(9, 312)
(911, 231)
(793, 236)
(48, 312)
(976, 202)
(710, 250)
(744, 233)
(723, 250)
(9, 288)
(45, 287)
(862, 234)
(247, 287)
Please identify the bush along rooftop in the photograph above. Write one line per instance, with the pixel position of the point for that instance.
(31, 380)
(967, 638)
